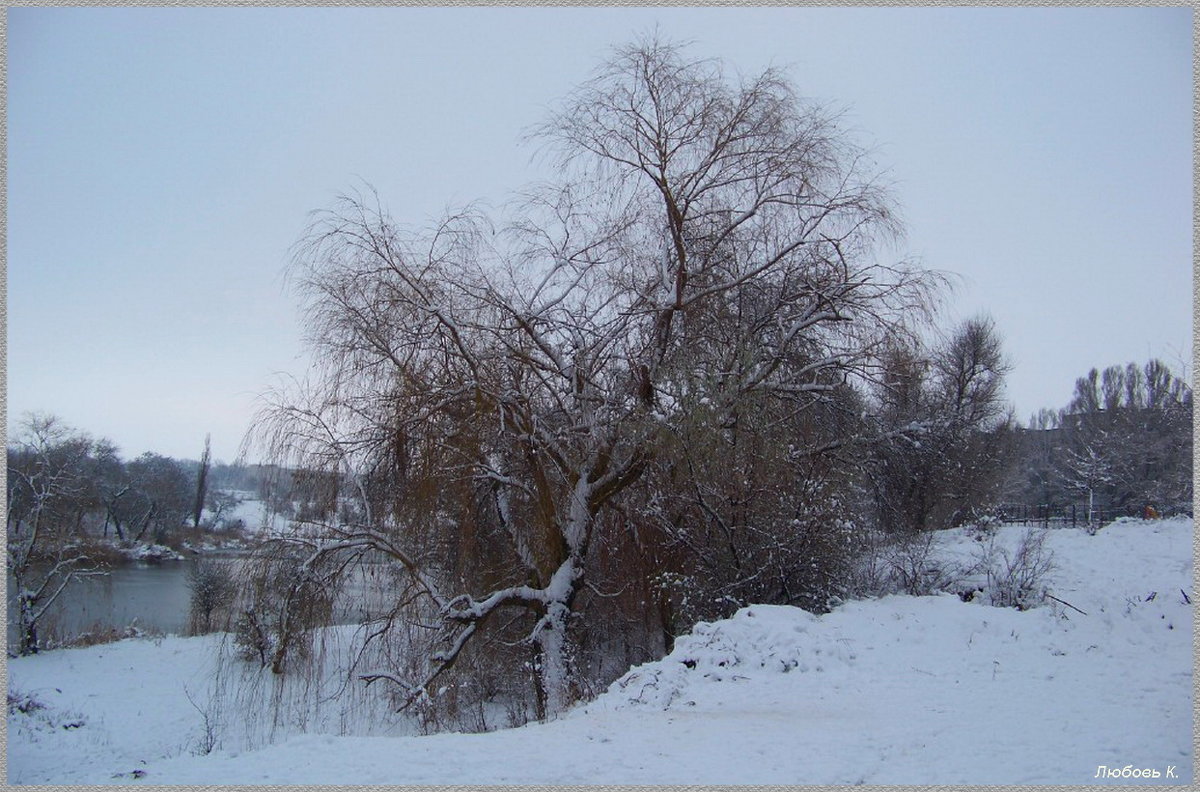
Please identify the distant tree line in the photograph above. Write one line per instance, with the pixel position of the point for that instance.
(99, 494)
(1122, 444)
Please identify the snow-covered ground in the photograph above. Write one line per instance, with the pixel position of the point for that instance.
(254, 515)
(896, 690)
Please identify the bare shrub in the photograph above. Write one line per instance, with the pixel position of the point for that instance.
(212, 592)
(24, 703)
(916, 567)
(1018, 579)
(907, 564)
(209, 737)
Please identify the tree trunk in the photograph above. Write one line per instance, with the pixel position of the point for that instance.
(555, 672)
(146, 522)
(551, 639)
(28, 626)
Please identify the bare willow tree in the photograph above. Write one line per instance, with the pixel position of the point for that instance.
(711, 241)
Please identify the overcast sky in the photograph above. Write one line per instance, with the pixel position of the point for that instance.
(161, 162)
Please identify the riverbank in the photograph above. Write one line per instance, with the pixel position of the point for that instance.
(133, 589)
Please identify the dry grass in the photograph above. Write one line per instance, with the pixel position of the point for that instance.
(99, 634)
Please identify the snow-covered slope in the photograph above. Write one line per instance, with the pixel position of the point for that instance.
(896, 690)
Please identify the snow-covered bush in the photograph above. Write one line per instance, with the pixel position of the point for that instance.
(983, 528)
(906, 564)
(23, 703)
(1017, 579)
(917, 567)
(251, 640)
(212, 592)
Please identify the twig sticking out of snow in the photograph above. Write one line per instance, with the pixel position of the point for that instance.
(1063, 602)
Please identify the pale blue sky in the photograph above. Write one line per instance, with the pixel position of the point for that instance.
(161, 162)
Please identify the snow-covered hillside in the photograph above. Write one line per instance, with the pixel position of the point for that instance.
(896, 690)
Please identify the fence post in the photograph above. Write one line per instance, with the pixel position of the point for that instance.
(1072, 515)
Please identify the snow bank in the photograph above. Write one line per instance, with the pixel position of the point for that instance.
(759, 639)
(151, 553)
(896, 690)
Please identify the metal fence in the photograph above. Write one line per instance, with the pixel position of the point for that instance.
(1060, 516)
